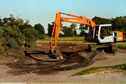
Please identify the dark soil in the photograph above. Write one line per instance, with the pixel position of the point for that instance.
(36, 60)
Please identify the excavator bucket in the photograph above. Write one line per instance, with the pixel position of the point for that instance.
(55, 54)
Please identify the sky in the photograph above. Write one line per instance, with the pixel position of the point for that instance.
(44, 11)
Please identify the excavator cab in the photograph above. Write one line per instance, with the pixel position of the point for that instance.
(103, 34)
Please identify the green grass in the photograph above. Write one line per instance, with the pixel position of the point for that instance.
(123, 46)
(71, 39)
(92, 69)
(2, 52)
(65, 38)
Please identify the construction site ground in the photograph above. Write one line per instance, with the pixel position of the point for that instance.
(34, 64)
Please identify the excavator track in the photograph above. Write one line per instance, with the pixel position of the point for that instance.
(109, 48)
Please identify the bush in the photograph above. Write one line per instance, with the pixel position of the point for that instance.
(13, 44)
(68, 32)
(41, 36)
(123, 46)
(29, 44)
(2, 52)
(88, 37)
(31, 35)
(40, 29)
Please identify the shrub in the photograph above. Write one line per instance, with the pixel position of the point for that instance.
(29, 44)
(41, 36)
(88, 37)
(13, 44)
(2, 52)
(40, 29)
(68, 32)
(31, 35)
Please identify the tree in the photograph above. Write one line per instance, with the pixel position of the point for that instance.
(31, 35)
(73, 27)
(12, 44)
(1, 23)
(40, 30)
(14, 31)
(10, 32)
(99, 20)
(75, 33)
(118, 23)
(81, 30)
(50, 27)
(68, 32)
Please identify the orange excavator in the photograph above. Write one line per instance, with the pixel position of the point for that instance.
(97, 32)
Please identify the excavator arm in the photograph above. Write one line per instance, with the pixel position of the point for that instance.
(57, 26)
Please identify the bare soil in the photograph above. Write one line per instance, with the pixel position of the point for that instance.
(36, 62)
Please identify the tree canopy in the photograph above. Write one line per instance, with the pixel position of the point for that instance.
(40, 30)
(15, 33)
(119, 23)
(50, 27)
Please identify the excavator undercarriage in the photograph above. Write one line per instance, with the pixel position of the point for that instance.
(109, 48)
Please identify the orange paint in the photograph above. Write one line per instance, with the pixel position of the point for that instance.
(119, 36)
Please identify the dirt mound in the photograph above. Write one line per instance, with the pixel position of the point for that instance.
(100, 55)
(35, 60)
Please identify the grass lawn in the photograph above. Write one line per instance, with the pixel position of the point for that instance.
(101, 68)
(78, 39)
(65, 39)
(123, 45)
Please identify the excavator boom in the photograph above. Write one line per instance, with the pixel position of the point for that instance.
(59, 19)
(57, 26)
